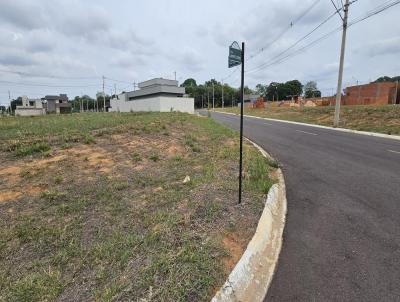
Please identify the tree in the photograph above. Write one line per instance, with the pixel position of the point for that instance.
(295, 87)
(261, 89)
(189, 83)
(311, 90)
(387, 79)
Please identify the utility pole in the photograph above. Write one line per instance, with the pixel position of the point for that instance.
(202, 101)
(213, 98)
(115, 90)
(222, 94)
(396, 92)
(336, 121)
(208, 99)
(104, 98)
(175, 75)
(232, 100)
(9, 100)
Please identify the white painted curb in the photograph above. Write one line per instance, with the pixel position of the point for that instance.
(252, 275)
(381, 135)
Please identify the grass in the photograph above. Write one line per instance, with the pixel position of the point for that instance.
(112, 220)
(381, 119)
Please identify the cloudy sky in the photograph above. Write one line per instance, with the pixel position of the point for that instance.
(66, 46)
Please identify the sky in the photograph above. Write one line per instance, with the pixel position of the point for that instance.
(67, 46)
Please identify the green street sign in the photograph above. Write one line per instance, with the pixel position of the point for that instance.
(235, 55)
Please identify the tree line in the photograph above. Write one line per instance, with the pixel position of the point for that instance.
(203, 93)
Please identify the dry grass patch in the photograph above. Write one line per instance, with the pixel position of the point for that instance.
(382, 119)
(113, 219)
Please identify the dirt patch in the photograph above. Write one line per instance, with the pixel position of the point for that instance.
(10, 174)
(175, 150)
(235, 249)
(9, 195)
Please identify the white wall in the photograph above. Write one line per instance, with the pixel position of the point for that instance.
(168, 104)
(156, 104)
(29, 111)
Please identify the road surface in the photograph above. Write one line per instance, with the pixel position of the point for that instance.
(342, 235)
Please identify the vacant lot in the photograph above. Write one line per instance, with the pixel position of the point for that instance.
(383, 119)
(135, 207)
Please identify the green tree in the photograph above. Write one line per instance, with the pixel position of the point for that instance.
(294, 87)
(189, 83)
(311, 90)
(261, 90)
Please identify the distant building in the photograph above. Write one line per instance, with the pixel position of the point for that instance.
(58, 104)
(159, 95)
(248, 100)
(29, 107)
(381, 93)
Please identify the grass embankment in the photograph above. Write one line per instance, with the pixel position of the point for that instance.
(95, 207)
(382, 119)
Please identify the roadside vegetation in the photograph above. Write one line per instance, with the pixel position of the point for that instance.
(116, 207)
(382, 119)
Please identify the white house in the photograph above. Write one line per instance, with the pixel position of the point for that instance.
(159, 95)
(30, 107)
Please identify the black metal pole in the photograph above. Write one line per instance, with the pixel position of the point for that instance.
(241, 128)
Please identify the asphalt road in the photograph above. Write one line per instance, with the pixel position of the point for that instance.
(342, 235)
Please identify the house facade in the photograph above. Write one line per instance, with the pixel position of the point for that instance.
(58, 104)
(158, 95)
(29, 107)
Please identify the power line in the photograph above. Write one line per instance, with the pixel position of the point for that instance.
(302, 15)
(369, 14)
(21, 73)
(119, 81)
(337, 9)
(278, 37)
(47, 85)
(294, 44)
(374, 12)
(296, 52)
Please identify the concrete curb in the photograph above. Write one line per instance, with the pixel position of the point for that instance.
(381, 135)
(252, 275)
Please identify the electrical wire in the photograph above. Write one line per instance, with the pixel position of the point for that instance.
(294, 44)
(374, 12)
(369, 14)
(48, 85)
(278, 37)
(21, 73)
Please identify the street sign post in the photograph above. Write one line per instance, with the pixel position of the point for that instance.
(236, 57)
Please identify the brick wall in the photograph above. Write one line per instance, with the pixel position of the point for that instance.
(369, 94)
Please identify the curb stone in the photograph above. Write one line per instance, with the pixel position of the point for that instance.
(252, 275)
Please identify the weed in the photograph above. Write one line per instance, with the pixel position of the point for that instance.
(58, 179)
(89, 140)
(136, 157)
(32, 149)
(52, 195)
(177, 158)
(154, 157)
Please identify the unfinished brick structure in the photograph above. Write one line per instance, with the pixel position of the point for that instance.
(383, 93)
